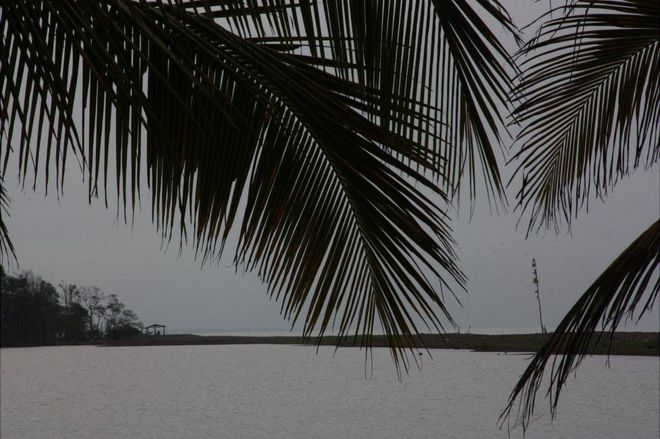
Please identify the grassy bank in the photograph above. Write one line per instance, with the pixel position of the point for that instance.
(624, 343)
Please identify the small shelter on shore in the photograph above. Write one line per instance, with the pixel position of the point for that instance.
(154, 329)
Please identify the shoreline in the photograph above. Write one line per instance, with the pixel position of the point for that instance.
(623, 343)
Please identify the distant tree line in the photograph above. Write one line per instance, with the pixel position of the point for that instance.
(34, 313)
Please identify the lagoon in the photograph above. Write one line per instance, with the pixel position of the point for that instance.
(268, 391)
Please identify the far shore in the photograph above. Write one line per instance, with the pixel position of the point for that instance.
(623, 343)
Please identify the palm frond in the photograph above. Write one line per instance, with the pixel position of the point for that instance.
(629, 282)
(325, 153)
(476, 87)
(434, 58)
(589, 104)
(7, 251)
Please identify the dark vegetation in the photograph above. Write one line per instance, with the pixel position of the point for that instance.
(34, 313)
(623, 343)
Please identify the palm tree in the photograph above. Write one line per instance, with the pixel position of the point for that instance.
(334, 133)
(589, 106)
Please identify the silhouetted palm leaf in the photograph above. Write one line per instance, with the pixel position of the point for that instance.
(589, 103)
(7, 251)
(437, 59)
(319, 122)
(630, 281)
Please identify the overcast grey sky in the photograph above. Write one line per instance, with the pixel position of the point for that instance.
(68, 240)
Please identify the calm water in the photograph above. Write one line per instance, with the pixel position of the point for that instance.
(290, 392)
